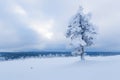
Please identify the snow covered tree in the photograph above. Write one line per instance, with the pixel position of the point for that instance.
(81, 32)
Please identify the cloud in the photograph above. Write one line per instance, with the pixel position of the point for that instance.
(43, 28)
(17, 9)
(37, 24)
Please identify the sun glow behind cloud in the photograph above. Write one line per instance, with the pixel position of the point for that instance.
(44, 29)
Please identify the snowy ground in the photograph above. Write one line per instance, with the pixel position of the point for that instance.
(94, 68)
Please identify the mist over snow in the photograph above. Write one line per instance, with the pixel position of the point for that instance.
(41, 24)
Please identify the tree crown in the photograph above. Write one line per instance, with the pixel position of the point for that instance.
(80, 29)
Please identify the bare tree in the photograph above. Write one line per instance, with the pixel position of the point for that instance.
(81, 32)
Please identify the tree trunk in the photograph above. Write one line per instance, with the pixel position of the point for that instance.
(82, 54)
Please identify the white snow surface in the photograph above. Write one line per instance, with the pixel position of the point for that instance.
(64, 68)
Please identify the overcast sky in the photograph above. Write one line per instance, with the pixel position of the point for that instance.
(41, 24)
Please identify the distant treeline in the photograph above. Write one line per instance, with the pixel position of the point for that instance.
(22, 55)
